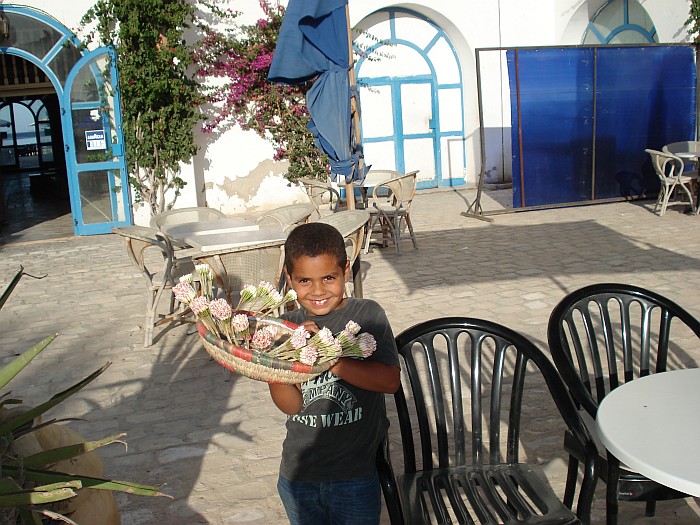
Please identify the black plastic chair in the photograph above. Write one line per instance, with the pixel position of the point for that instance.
(462, 392)
(604, 335)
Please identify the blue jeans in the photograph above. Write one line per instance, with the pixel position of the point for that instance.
(342, 502)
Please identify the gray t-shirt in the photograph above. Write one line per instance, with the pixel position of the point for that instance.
(337, 432)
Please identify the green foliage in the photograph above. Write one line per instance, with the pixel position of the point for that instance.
(693, 22)
(160, 97)
(28, 488)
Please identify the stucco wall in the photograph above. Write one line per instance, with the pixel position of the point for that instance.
(234, 171)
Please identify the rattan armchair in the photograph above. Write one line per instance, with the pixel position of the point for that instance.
(139, 239)
(674, 178)
(389, 207)
(351, 224)
(321, 195)
(287, 217)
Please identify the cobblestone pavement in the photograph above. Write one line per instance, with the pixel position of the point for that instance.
(216, 444)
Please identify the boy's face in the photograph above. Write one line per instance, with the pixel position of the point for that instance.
(319, 283)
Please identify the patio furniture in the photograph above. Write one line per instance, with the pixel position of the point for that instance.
(635, 418)
(372, 178)
(235, 267)
(390, 206)
(184, 215)
(459, 410)
(683, 147)
(351, 225)
(138, 240)
(287, 217)
(600, 337)
(321, 194)
(673, 177)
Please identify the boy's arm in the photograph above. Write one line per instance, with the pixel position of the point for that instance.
(370, 375)
(286, 397)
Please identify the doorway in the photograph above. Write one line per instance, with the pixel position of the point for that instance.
(410, 84)
(35, 201)
(61, 113)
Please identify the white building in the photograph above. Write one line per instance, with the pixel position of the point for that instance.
(419, 107)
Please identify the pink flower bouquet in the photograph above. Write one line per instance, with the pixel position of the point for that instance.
(249, 336)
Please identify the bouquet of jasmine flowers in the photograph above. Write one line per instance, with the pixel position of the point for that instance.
(251, 325)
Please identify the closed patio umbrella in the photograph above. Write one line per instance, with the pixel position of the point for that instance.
(313, 43)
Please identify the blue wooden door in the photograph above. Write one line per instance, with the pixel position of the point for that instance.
(92, 128)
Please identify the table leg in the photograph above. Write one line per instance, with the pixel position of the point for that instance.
(357, 278)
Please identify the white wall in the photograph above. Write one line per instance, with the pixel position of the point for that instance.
(234, 171)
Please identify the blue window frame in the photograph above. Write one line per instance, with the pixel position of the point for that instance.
(621, 22)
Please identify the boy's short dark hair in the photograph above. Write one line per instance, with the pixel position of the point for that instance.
(311, 240)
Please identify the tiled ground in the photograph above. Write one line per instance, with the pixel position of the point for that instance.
(216, 444)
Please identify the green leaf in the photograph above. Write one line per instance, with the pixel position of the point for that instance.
(47, 476)
(49, 457)
(29, 516)
(9, 371)
(13, 283)
(21, 419)
(35, 498)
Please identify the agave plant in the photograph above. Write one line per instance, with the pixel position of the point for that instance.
(31, 486)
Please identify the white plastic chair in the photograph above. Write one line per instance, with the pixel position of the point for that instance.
(670, 170)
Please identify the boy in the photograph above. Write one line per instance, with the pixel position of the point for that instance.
(336, 420)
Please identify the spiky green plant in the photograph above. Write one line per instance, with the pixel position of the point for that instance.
(28, 487)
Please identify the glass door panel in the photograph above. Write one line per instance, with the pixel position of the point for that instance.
(94, 146)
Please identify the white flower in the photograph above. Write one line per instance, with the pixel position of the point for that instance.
(262, 339)
(239, 322)
(308, 355)
(352, 327)
(264, 288)
(367, 344)
(199, 305)
(184, 292)
(176, 61)
(220, 309)
(299, 337)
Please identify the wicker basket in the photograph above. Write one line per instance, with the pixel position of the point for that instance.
(260, 365)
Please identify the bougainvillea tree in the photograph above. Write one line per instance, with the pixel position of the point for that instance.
(160, 95)
(240, 61)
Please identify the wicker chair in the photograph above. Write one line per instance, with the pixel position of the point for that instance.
(351, 224)
(138, 240)
(234, 268)
(184, 215)
(320, 195)
(390, 206)
(286, 217)
(673, 177)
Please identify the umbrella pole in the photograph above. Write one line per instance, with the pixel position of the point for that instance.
(349, 187)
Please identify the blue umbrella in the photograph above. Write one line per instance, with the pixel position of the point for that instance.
(313, 42)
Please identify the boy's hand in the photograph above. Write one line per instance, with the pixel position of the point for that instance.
(311, 327)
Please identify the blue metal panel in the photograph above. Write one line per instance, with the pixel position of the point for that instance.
(554, 89)
(645, 99)
(637, 97)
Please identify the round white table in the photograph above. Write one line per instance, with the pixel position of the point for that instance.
(652, 425)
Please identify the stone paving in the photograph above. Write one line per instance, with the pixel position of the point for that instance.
(216, 444)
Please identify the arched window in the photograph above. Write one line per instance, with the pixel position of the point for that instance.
(621, 22)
